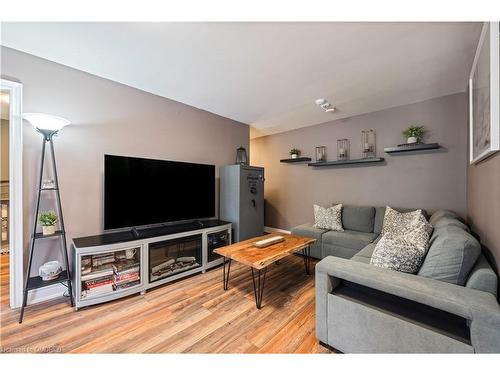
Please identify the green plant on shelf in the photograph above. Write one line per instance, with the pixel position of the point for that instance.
(414, 131)
(294, 151)
(47, 218)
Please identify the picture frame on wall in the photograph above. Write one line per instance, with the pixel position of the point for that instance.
(484, 97)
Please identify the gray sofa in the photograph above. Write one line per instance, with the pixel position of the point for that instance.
(449, 306)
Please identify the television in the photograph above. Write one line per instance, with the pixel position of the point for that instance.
(143, 192)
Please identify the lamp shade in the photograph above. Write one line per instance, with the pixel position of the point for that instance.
(42, 121)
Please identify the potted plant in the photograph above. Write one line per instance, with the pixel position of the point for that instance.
(294, 153)
(414, 134)
(47, 219)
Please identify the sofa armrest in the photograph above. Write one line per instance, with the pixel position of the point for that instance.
(480, 308)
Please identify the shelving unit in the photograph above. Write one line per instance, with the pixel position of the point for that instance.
(411, 148)
(55, 234)
(296, 160)
(37, 282)
(346, 162)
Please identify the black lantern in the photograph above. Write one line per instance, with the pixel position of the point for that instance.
(241, 156)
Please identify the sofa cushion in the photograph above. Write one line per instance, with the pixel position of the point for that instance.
(358, 218)
(308, 230)
(328, 218)
(337, 251)
(349, 238)
(451, 256)
(365, 254)
(380, 214)
(448, 220)
(482, 277)
(441, 214)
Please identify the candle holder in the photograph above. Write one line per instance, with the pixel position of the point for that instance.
(320, 153)
(368, 144)
(343, 146)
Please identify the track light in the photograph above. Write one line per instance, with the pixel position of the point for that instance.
(323, 103)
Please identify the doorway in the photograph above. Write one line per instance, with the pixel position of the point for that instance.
(4, 195)
(11, 194)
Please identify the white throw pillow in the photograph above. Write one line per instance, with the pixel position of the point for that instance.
(328, 218)
(399, 222)
(404, 244)
(397, 253)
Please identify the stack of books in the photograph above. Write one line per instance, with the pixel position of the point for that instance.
(102, 259)
(99, 281)
(97, 274)
(126, 274)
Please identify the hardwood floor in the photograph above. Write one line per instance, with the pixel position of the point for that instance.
(194, 315)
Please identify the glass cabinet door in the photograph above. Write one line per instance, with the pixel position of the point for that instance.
(216, 240)
(168, 258)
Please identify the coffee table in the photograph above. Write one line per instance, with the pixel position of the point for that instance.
(258, 259)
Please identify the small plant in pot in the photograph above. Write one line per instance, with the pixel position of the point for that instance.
(414, 134)
(47, 220)
(294, 153)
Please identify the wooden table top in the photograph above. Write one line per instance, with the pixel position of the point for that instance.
(258, 258)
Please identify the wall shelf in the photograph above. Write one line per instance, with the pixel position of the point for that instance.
(411, 148)
(345, 162)
(296, 160)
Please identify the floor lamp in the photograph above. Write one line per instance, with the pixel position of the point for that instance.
(48, 126)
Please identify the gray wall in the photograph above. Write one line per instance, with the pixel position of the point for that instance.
(483, 204)
(430, 181)
(108, 118)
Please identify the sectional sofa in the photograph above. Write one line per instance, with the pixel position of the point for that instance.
(449, 306)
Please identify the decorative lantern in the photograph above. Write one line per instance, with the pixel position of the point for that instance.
(321, 153)
(343, 146)
(241, 156)
(368, 144)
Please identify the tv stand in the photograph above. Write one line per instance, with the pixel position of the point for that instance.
(164, 254)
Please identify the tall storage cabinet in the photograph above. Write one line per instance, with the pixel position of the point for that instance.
(242, 200)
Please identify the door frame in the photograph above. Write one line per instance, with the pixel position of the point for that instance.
(16, 247)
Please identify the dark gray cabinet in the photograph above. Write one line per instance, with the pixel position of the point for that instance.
(242, 200)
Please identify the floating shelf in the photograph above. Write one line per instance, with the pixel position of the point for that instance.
(296, 160)
(37, 282)
(411, 148)
(346, 162)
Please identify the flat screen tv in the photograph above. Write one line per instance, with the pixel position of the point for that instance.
(140, 192)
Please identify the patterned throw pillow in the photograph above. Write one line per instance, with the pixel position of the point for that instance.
(328, 218)
(398, 222)
(397, 253)
(403, 247)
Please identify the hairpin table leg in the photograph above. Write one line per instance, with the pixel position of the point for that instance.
(306, 252)
(225, 277)
(258, 285)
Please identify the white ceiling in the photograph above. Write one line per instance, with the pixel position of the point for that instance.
(267, 75)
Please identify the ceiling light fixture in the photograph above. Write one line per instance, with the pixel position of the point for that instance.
(327, 107)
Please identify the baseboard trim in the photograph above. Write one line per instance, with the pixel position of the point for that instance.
(271, 229)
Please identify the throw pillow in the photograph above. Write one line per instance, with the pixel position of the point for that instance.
(399, 222)
(403, 248)
(397, 253)
(328, 218)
